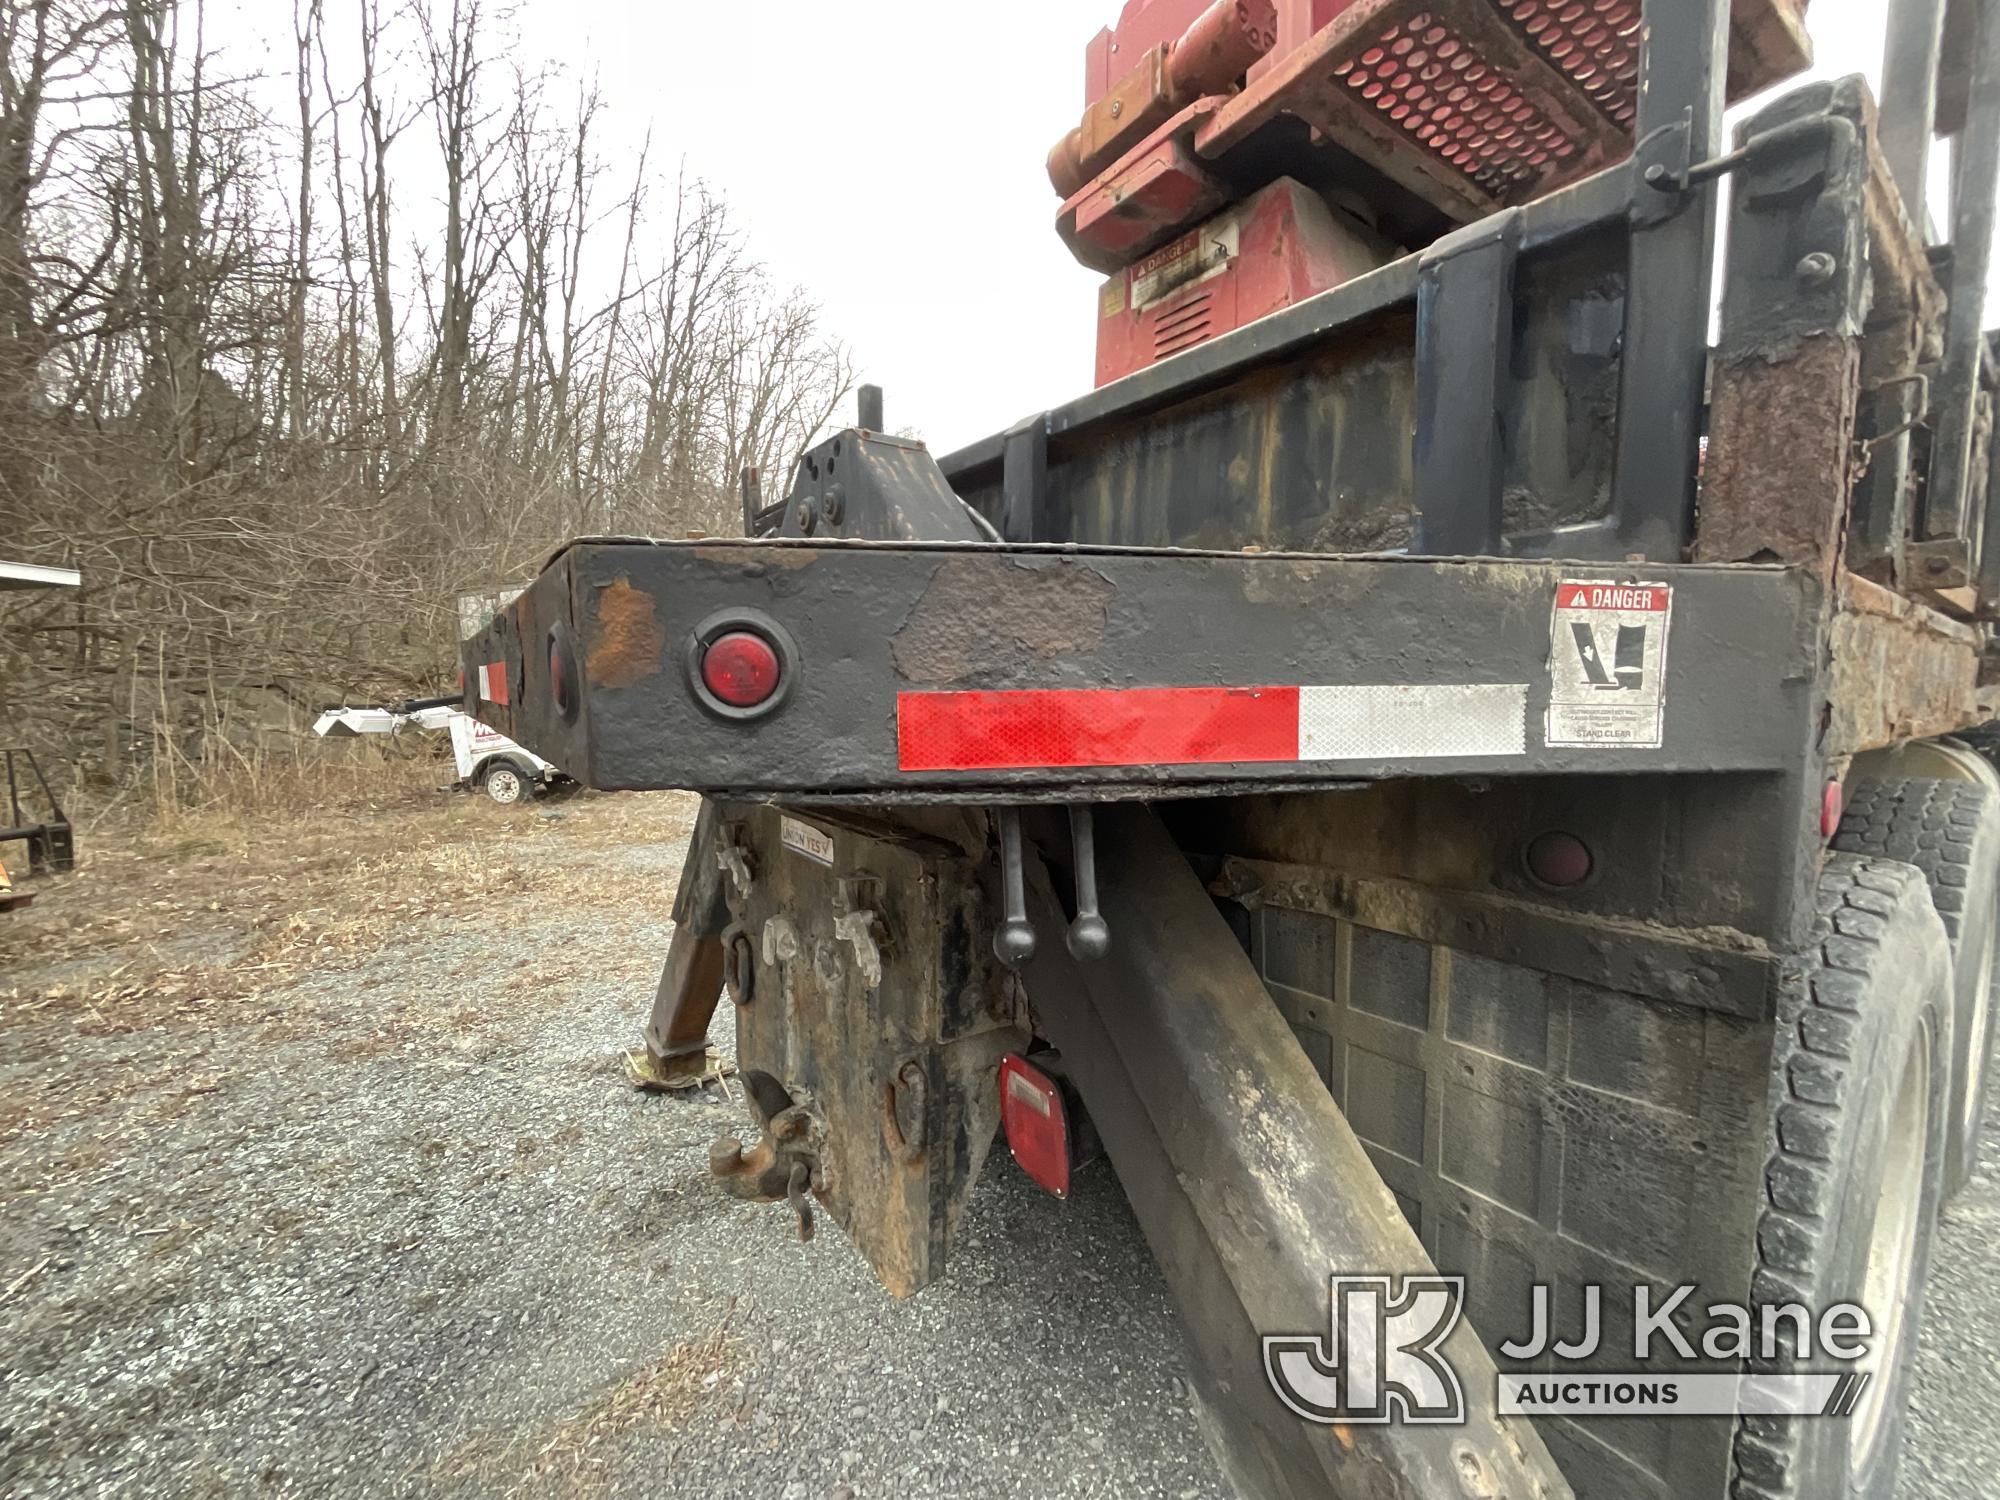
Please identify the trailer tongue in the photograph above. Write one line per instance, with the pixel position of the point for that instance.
(1338, 767)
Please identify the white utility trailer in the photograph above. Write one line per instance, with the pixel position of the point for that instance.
(486, 759)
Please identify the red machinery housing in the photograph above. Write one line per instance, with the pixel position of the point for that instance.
(1277, 247)
(1430, 112)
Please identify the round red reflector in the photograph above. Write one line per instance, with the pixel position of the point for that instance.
(740, 668)
(1559, 859)
(1832, 806)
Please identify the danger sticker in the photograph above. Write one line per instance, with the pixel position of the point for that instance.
(1608, 664)
(1191, 258)
(803, 838)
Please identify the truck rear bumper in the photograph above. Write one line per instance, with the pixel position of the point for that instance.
(950, 672)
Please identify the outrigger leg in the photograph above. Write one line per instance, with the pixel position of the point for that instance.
(677, 1054)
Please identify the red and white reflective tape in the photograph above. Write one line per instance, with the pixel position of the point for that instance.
(1187, 726)
(493, 682)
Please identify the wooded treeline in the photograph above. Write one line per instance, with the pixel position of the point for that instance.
(283, 382)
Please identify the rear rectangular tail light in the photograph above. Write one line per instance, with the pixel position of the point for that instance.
(1036, 1119)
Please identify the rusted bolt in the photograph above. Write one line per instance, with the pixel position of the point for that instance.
(1117, 108)
(1817, 268)
(1936, 564)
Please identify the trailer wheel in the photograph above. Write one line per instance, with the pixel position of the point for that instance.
(504, 783)
(1950, 830)
(1852, 1183)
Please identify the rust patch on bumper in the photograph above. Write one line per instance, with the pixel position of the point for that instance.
(758, 554)
(987, 613)
(626, 645)
(1901, 671)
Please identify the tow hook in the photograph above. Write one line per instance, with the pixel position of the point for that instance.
(782, 1165)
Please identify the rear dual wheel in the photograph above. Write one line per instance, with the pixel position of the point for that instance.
(1949, 829)
(1860, 1116)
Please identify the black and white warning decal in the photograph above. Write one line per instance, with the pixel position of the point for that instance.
(1608, 664)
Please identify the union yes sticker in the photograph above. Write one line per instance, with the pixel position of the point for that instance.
(1608, 664)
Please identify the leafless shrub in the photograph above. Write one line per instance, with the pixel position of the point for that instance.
(280, 418)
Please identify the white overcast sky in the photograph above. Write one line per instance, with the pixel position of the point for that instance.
(887, 155)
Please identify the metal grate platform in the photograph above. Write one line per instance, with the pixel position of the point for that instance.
(1505, 100)
(1430, 82)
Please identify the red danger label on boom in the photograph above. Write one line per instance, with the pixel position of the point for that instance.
(1608, 664)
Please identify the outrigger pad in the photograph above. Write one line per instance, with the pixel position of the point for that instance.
(689, 1070)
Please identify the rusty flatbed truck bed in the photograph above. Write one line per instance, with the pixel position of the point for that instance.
(1384, 767)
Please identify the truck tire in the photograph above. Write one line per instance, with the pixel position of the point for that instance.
(1950, 830)
(1852, 1181)
(504, 782)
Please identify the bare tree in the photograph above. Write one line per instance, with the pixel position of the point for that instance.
(305, 31)
(380, 132)
(280, 412)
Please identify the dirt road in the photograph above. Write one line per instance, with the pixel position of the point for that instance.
(321, 1177)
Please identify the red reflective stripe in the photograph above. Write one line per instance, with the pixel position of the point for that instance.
(1095, 727)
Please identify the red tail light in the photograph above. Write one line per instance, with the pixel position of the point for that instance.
(741, 669)
(1559, 860)
(1036, 1119)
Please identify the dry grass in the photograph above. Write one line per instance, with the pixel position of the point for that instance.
(199, 918)
(574, 1458)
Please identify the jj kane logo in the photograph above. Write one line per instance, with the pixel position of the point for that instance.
(1382, 1358)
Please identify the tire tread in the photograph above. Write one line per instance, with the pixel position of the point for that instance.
(1860, 897)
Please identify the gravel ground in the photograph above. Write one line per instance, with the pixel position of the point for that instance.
(431, 1242)
(1954, 1442)
(402, 1229)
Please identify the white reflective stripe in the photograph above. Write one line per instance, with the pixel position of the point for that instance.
(1413, 722)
